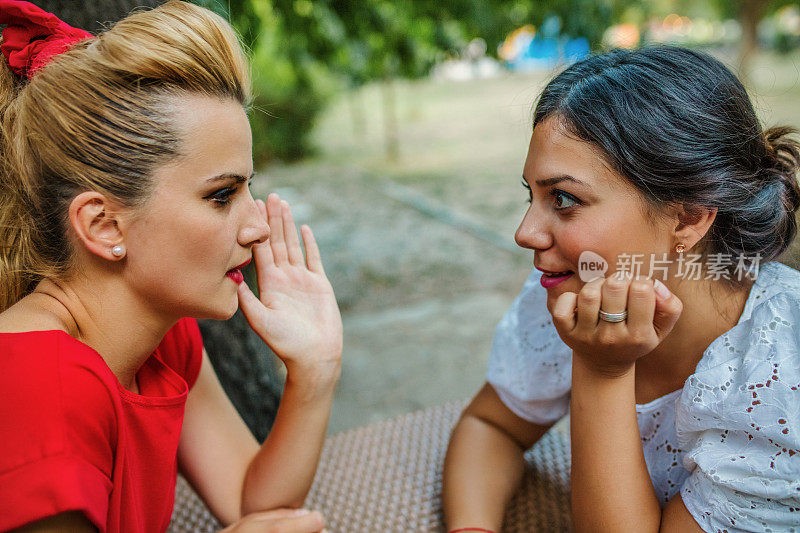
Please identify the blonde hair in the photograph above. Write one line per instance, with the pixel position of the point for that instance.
(98, 118)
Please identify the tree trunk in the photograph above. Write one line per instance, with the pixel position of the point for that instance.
(750, 15)
(390, 119)
(247, 368)
(355, 98)
(93, 15)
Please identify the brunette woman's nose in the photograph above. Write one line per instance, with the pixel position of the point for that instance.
(532, 233)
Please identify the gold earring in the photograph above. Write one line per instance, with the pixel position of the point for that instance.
(680, 247)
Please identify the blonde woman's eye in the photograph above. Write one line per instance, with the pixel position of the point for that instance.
(221, 197)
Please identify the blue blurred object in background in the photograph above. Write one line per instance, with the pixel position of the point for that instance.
(526, 49)
(576, 49)
(549, 52)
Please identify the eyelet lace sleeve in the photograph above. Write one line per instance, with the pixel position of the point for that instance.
(738, 419)
(529, 364)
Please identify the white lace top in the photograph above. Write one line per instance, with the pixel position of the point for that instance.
(729, 440)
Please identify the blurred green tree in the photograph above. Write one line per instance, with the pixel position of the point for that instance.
(304, 51)
(749, 13)
(292, 81)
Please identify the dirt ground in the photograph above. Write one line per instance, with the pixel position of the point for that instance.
(419, 297)
(420, 250)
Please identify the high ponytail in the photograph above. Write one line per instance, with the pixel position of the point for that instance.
(98, 118)
(16, 217)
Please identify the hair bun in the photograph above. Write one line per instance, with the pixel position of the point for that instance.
(783, 162)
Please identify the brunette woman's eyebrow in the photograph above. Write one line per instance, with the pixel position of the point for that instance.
(557, 179)
(229, 176)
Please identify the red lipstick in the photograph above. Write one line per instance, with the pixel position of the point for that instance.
(236, 273)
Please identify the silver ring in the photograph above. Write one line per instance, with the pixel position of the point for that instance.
(613, 317)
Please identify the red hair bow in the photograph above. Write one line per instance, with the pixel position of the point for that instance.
(33, 36)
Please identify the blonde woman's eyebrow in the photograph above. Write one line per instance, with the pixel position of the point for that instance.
(231, 176)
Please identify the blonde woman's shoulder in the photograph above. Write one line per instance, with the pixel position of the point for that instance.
(34, 312)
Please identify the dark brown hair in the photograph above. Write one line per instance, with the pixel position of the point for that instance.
(679, 126)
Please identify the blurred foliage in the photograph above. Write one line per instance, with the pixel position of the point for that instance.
(303, 51)
(733, 8)
(716, 9)
(748, 12)
(292, 81)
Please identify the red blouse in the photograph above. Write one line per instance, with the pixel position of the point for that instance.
(72, 438)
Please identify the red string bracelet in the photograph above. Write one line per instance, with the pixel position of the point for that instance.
(480, 529)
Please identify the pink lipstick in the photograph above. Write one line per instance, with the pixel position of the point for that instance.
(550, 280)
(236, 273)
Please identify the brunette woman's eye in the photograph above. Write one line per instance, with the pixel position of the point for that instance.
(530, 192)
(563, 200)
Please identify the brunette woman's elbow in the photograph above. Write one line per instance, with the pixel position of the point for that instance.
(487, 407)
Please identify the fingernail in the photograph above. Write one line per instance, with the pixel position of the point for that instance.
(661, 290)
(301, 512)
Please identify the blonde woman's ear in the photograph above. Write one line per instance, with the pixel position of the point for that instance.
(95, 219)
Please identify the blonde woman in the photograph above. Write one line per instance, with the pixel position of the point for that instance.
(124, 210)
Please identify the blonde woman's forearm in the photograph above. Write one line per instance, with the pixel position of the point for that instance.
(281, 473)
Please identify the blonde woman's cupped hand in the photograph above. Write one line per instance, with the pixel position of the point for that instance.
(295, 312)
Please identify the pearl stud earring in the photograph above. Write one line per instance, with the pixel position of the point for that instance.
(118, 251)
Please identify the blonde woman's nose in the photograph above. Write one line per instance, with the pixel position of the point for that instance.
(255, 230)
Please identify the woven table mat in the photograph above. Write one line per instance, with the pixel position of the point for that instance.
(387, 476)
(190, 514)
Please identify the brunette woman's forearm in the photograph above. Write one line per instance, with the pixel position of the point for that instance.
(483, 468)
(611, 486)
